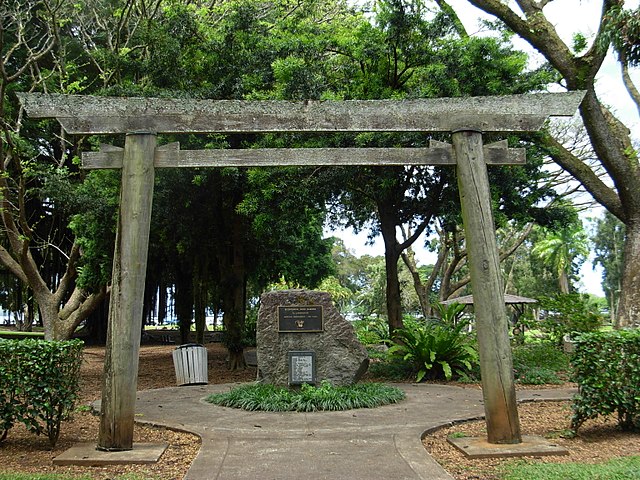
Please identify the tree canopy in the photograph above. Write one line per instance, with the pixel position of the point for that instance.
(219, 233)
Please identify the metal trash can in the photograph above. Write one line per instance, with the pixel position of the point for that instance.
(190, 362)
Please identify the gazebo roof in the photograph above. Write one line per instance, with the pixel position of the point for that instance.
(508, 300)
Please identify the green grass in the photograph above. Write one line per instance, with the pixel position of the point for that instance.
(617, 469)
(308, 398)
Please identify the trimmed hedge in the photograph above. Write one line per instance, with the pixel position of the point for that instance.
(11, 335)
(607, 370)
(39, 383)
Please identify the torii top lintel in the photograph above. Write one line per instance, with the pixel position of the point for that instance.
(81, 114)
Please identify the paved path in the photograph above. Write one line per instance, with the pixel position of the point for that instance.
(379, 443)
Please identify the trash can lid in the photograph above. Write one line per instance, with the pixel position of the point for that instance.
(188, 345)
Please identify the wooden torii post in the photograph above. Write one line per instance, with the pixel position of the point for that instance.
(142, 118)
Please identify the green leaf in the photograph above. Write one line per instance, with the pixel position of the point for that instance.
(447, 369)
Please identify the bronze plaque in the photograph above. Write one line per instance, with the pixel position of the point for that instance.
(300, 318)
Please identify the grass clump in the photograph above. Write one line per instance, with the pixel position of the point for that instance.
(308, 398)
(616, 469)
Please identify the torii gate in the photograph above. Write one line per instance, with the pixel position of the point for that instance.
(141, 119)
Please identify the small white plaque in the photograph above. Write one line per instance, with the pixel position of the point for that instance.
(302, 368)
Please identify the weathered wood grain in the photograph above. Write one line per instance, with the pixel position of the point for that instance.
(279, 123)
(127, 293)
(496, 364)
(269, 157)
(105, 115)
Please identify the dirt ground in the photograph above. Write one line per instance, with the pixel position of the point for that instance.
(25, 452)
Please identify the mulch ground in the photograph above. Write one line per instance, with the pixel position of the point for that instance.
(22, 451)
(597, 441)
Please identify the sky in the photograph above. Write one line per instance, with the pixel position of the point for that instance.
(584, 16)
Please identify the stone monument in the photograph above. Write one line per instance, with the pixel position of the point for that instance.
(302, 338)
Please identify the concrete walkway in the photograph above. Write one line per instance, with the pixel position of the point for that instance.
(379, 443)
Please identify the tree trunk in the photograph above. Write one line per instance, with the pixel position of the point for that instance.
(162, 302)
(629, 303)
(394, 299)
(233, 286)
(97, 324)
(234, 313)
(200, 306)
(149, 304)
(563, 282)
(184, 302)
(422, 290)
(53, 330)
(26, 302)
(391, 256)
(58, 323)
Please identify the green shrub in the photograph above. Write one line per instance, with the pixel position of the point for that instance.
(308, 398)
(541, 354)
(569, 314)
(249, 328)
(538, 376)
(449, 314)
(539, 363)
(376, 353)
(436, 350)
(372, 331)
(367, 337)
(607, 370)
(392, 368)
(7, 398)
(38, 384)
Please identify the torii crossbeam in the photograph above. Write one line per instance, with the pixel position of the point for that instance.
(141, 119)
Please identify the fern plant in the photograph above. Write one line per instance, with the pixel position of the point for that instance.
(436, 350)
(372, 331)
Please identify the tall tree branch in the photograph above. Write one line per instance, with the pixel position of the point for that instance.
(629, 85)
(603, 194)
(453, 16)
